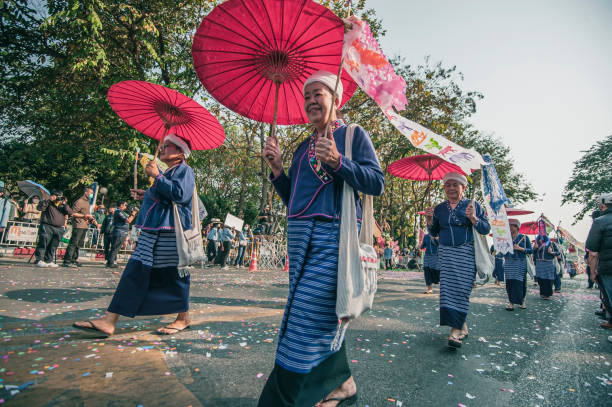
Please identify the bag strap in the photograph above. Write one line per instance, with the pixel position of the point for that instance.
(366, 234)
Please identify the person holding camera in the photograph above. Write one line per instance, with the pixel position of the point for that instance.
(81, 216)
(121, 228)
(52, 219)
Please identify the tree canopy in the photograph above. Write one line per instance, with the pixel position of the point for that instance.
(591, 176)
(58, 59)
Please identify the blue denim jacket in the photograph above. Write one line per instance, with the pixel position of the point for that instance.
(175, 185)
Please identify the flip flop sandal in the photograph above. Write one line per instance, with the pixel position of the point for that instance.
(428, 292)
(91, 328)
(348, 401)
(463, 336)
(454, 342)
(509, 308)
(176, 330)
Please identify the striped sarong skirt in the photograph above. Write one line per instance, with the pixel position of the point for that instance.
(515, 268)
(431, 261)
(545, 270)
(457, 274)
(309, 324)
(151, 283)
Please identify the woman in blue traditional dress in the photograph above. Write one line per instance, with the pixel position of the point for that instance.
(309, 369)
(453, 222)
(515, 267)
(430, 262)
(498, 271)
(151, 283)
(545, 252)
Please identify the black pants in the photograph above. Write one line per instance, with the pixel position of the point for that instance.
(589, 281)
(225, 253)
(107, 238)
(49, 237)
(115, 246)
(76, 241)
(546, 287)
(211, 250)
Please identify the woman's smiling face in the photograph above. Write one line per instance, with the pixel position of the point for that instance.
(317, 103)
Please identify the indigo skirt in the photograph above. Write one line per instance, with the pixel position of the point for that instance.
(151, 283)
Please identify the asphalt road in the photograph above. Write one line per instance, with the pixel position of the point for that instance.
(552, 354)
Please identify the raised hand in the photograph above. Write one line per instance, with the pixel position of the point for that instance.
(151, 169)
(273, 156)
(470, 212)
(326, 151)
(137, 193)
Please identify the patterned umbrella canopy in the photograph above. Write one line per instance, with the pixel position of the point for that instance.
(426, 167)
(155, 111)
(254, 56)
(517, 211)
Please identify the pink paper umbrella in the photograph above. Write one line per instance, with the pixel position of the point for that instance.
(529, 228)
(517, 211)
(155, 110)
(254, 56)
(426, 167)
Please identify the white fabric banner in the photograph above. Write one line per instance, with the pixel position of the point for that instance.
(367, 65)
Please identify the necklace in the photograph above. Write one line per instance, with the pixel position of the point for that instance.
(317, 166)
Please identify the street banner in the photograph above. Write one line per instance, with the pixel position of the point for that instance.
(495, 200)
(366, 64)
(233, 221)
(22, 233)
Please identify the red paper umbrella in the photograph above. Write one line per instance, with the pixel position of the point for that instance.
(254, 56)
(155, 110)
(529, 228)
(517, 211)
(426, 167)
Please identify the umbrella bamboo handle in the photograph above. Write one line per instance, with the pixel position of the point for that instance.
(273, 125)
(136, 169)
(166, 128)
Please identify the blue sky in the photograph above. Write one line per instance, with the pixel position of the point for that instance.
(544, 67)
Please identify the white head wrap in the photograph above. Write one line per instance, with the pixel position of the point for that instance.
(180, 143)
(326, 78)
(605, 199)
(455, 176)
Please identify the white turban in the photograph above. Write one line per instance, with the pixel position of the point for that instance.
(605, 199)
(326, 78)
(455, 176)
(180, 143)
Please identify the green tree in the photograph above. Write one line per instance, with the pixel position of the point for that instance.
(591, 176)
(58, 59)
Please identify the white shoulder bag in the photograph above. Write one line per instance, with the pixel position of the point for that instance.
(189, 242)
(357, 260)
(485, 263)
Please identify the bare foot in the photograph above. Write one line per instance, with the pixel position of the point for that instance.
(345, 390)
